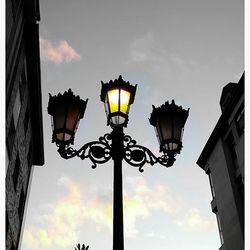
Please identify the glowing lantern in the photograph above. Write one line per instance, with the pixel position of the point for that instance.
(117, 96)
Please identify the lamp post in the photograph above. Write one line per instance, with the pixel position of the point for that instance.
(169, 120)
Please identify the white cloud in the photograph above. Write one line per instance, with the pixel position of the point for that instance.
(147, 51)
(60, 226)
(193, 221)
(144, 201)
(150, 235)
(151, 54)
(63, 52)
(63, 180)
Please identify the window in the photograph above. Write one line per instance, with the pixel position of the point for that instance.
(16, 172)
(17, 108)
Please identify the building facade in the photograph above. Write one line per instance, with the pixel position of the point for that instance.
(223, 161)
(24, 130)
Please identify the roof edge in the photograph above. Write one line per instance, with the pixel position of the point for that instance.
(213, 138)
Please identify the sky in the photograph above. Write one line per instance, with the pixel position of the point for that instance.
(182, 50)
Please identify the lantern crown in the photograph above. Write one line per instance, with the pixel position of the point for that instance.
(168, 108)
(67, 96)
(116, 84)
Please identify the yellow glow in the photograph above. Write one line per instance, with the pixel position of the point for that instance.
(113, 96)
(125, 96)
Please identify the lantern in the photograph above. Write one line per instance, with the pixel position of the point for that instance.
(117, 96)
(66, 111)
(169, 121)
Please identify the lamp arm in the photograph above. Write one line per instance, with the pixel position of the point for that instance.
(101, 151)
(138, 156)
(97, 151)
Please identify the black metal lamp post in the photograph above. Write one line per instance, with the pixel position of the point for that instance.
(66, 111)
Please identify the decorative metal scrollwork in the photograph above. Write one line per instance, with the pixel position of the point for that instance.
(101, 151)
(97, 151)
(138, 156)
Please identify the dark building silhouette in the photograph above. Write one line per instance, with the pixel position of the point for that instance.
(223, 161)
(24, 131)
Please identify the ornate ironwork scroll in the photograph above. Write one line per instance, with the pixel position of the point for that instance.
(101, 151)
(97, 151)
(138, 156)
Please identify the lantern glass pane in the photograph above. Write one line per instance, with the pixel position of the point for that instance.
(59, 116)
(117, 120)
(113, 97)
(158, 135)
(67, 137)
(172, 146)
(124, 101)
(165, 126)
(121, 120)
(72, 117)
(59, 136)
(63, 136)
(158, 132)
(178, 124)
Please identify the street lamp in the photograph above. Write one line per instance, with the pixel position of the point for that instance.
(169, 120)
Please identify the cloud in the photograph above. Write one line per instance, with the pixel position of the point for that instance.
(61, 225)
(62, 180)
(193, 221)
(147, 51)
(144, 201)
(63, 52)
(63, 221)
(154, 197)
